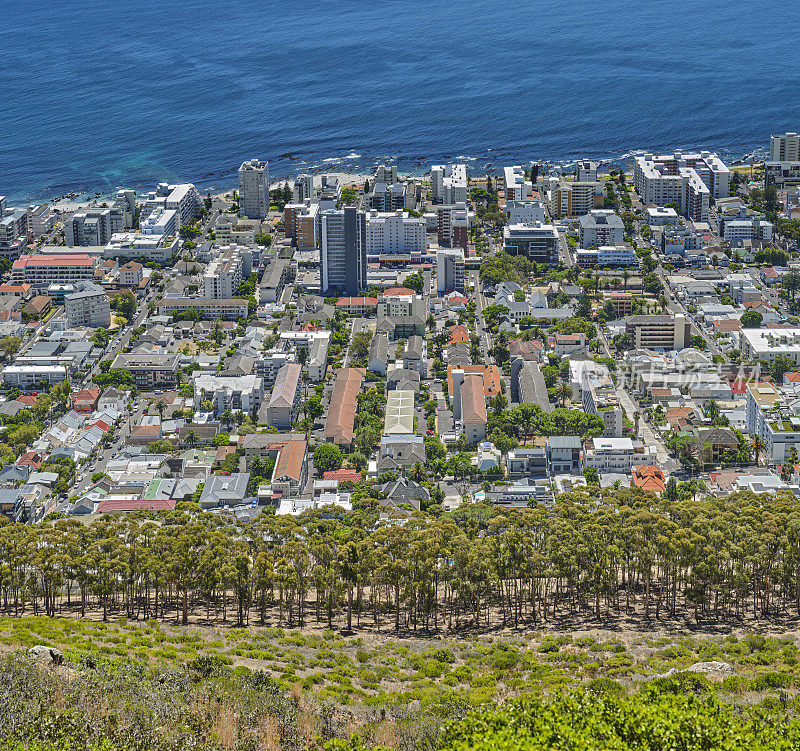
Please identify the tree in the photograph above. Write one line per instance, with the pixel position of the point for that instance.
(264, 239)
(591, 475)
(221, 439)
(327, 457)
(124, 303)
(359, 347)
(781, 365)
(757, 442)
(671, 490)
(751, 319)
(357, 461)
(9, 345)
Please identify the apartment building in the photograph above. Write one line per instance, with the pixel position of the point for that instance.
(281, 409)
(767, 344)
(586, 171)
(344, 253)
(13, 232)
(223, 275)
(572, 199)
(616, 455)
(538, 242)
(182, 198)
(687, 180)
(300, 224)
(149, 369)
(469, 404)
(387, 197)
(303, 188)
(593, 387)
(160, 222)
(450, 270)
(600, 227)
(274, 279)
(607, 256)
(42, 270)
(516, 187)
(449, 183)
(254, 189)
(131, 274)
(740, 225)
(243, 393)
(40, 219)
(452, 226)
(88, 306)
(230, 310)
(93, 227)
(340, 420)
(770, 412)
(658, 331)
(785, 148)
(33, 377)
(782, 175)
(525, 212)
(128, 246)
(395, 234)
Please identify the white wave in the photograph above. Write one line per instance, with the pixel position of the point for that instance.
(353, 155)
(331, 160)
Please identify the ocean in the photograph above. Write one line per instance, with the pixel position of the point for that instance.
(98, 95)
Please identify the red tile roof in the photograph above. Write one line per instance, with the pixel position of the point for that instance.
(124, 505)
(343, 475)
(398, 291)
(289, 462)
(649, 477)
(349, 301)
(40, 260)
(458, 334)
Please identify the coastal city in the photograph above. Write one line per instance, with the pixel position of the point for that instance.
(427, 342)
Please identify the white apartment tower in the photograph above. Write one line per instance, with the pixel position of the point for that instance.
(254, 189)
(785, 148)
(449, 183)
(395, 234)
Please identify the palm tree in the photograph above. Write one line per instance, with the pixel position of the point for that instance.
(636, 417)
(625, 276)
(191, 437)
(563, 392)
(161, 406)
(758, 446)
(417, 473)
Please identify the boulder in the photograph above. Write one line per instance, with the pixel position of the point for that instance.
(49, 655)
(714, 670)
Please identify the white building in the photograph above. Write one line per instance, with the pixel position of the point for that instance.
(616, 455)
(181, 198)
(687, 180)
(526, 212)
(238, 393)
(254, 189)
(517, 188)
(449, 183)
(160, 222)
(450, 270)
(223, 275)
(395, 234)
(785, 148)
(88, 306)
(767, 344)
(600, 227)
(743, 226)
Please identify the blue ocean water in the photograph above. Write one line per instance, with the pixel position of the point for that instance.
(102, 94)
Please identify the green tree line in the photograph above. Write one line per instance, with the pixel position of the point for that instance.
(593, 554)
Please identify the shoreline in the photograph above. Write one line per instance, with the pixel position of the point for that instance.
(358, 176)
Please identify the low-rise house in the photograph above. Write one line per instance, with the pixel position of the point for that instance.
(378, 354)
(527, 462)
(413, 356)
(648, 477)
(220, 490)
(400, 451)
